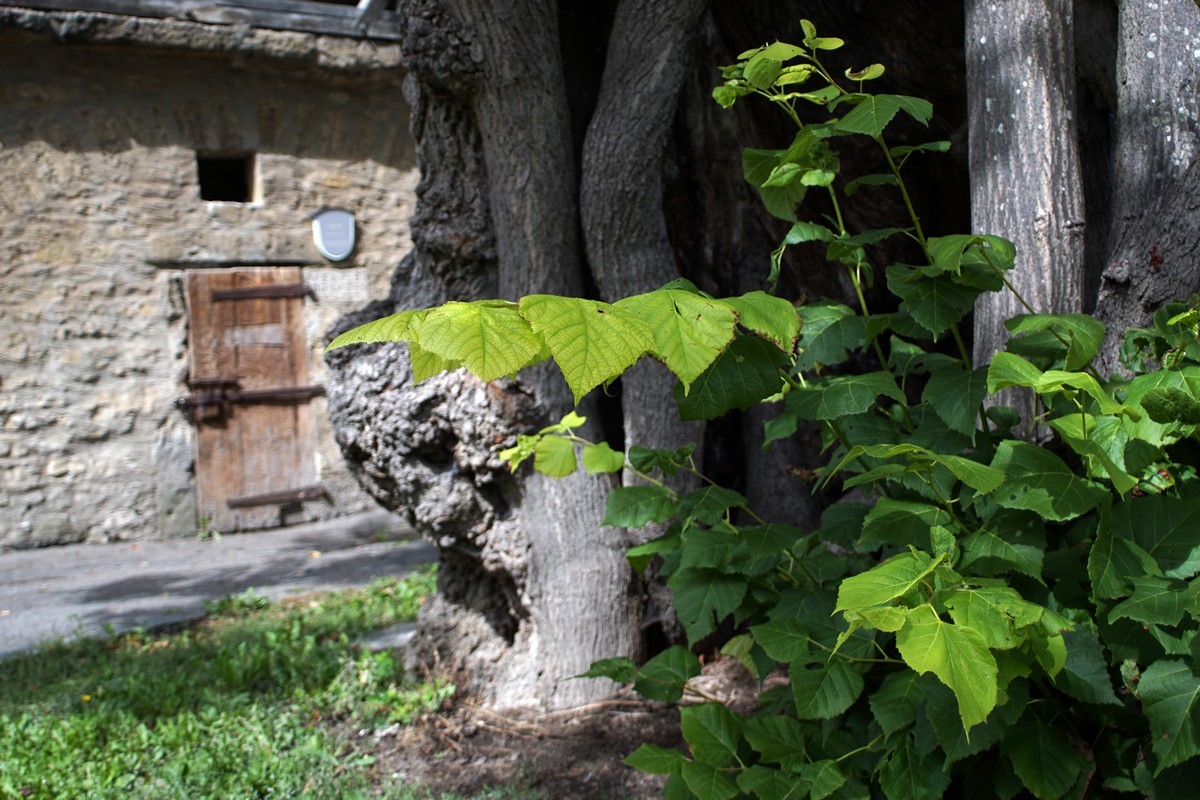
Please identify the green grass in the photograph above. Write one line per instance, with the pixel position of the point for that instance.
(233, 707)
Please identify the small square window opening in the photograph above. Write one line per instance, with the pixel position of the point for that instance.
(225, 177)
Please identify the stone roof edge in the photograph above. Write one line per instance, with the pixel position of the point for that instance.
(337, 54)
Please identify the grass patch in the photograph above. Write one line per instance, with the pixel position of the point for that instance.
(232, 707)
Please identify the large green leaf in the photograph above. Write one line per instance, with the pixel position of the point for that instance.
(885, 582)
(783, 639)
(1166, 528)
(664, 676)
(700, 593)
(1113, 561)
(776, 738)
(1170, 694)
(955, 396)
(1009, 540)
(1077, 336)
(832, 398)
(1085, 676)
(958, 656)
(1044, 761)
(949, 253)
(689, 330)
(393, 328)
(934, 302)
(997, 613)
(772, 318)
(554, 456)
(780, 201)
(830, 332)
(592, 342)
(903, 522)
(874, 112)
(747, 372)
(1041, 482)
(825, 691)
(488, 337)
(980, 477)
(823, 778)
(1157, 601)
(708, 782)
(712, 732)
(896, 701)
(906, 774)
(765, 783)
(635, 506)
(655, 760)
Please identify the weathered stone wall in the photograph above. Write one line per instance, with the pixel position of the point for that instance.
(101, 217)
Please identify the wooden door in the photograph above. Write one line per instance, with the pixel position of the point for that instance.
(248, 371)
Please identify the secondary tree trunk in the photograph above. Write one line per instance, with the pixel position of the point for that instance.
(1156, 204)
(1025, 166)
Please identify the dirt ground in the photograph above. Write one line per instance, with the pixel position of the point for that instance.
(572, 755)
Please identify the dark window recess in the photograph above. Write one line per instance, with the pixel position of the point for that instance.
(225, 177)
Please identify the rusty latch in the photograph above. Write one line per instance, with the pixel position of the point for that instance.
(283, 498)
(262, 292)
(218, 394)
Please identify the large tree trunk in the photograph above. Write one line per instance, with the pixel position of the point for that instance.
(1155, 215)
(1025, 166)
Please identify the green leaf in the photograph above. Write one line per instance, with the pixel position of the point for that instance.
(1039, 481)
(426, 364)
(935, 303)
(1167, 404)
(831, 398)
(829, 333)
(617, 670)
(708, 504)
(488, 337)
(958, 656)
(956, 395)
(392, 328)
(783, 639)
(1010, 540)
(554, 456)
(885, 582)
(868, 73)
(747, 372)
(635, 506)
(905, 774)
(1007, 370)
(777, 738)
(983, 479)
(994, 612)
(1044, 761)
(1170, 694)
(772, 318)
(823, 777)
(1085, 676)
(639, 557)
(902, 522)
(669, 462)
(874, 179)
(712, 732)
(1113, 561)
(757, 166)
(689, 330)
(1077, 336)
(928, 147)
(1156, 601)
(707, 782)
(700, 593)
(655, 760)
(600, 457)
(825, 691)
(768, 784)
(664, 676)
(896, 701)
(1165, 527)
(592, 342)
(874, 112)
(762, 70)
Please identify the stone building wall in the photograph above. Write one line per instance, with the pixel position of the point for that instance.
(101, 219)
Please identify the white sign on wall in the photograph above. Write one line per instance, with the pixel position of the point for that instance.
(333, 232)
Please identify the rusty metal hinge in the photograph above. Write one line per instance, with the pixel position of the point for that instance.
(218, 394)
